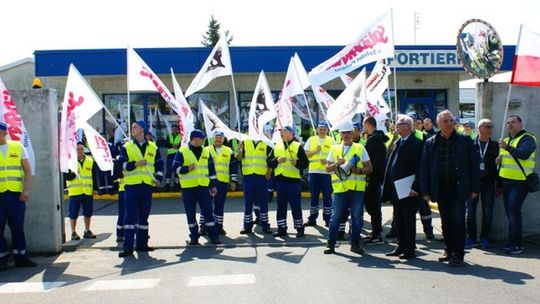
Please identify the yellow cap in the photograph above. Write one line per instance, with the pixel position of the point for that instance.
(36, 84)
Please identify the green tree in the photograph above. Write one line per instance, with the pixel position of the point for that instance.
(212, 35)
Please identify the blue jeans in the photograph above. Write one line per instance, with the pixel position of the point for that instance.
(487, 194)
(342, 201)
(514, 195)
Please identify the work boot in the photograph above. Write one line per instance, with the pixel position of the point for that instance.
(194, 242)
(355, 247)
(246, 231)
(202, 230)
(222, 231)
(300, 233)
(280, 233)
(267, 230)
(125, 253)
(310, 224)
(330, 248)
(445, 257)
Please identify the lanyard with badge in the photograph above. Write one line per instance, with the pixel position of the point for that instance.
(482, 153)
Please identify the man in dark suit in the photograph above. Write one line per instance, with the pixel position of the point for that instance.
(404, 162)
(450, 174)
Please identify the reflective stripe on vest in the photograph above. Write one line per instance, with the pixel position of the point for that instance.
(221, 162)
(11, 172)
(509, 168)
(315, 165)
(356, 182)
(174, 141)
(83, 183)
(286, 168)
(140, 174)
(254, 161)
(199, 176)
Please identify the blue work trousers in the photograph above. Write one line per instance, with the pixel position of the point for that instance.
(12, 212)
(255, 195)
(138, 205)
(201, 195)
(320, 183)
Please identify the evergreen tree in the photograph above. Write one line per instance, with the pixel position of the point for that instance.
(212, 35)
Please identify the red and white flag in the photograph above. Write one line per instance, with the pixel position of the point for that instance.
(527, 59)
(324, 99)
(374, 43)
(212, 123)
(291, 88)
(216, 65)
(99, 148)
(80, 104)
(377, 82)
(186, 119)
(142, 79)
(261, 111)
(15, 126)
(351, 100)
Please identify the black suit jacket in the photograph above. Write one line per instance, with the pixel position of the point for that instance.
(408, 162)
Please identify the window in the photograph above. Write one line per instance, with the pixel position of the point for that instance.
(217, 102)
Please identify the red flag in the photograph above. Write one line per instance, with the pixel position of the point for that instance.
(527, 59)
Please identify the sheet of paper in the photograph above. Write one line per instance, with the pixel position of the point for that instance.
(403, 186)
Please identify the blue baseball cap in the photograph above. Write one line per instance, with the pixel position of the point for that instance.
(219, 133)
(141, 123)
(197, 133)
(288, 128)
(3, 126)
(358, 126)
(322, 124)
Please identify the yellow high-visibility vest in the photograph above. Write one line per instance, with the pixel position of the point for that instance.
(174, 140)
(419, 134)
(390, 136)
(82, 184)
(221, 162)
(356, 182)
(315, 165)
(509, 168)
(199, 176)
(11, 171)
(121, 185)
(254, 161)
(286, 168)
(140, 175)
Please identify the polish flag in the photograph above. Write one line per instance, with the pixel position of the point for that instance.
(527, 59)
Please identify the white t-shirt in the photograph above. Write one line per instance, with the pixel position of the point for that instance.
(365, 156)
(307, 146)
(3, 149)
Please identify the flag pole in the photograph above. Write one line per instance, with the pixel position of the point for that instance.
(395, 81)
(237, 108)
(506, 109)
(128, 99)
(325, 117)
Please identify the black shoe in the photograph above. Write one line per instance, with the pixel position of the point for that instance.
(340, 235)
(330, 249)
(75, 236)
(202, 230)
(119, 239)
(267, 231)
(216, 241)
(375, 240)
(89, 235)
(280, 233)
(246, 231)
(194, 242)
(445, 257)
(407, 256)
(310, 224)
(146, 249)
(455, 261)
(125, 253)
(430, 236)
(222, 231)
(25, 263)
(300, 234)
(355, 247)
(396, 253)
(256, 221)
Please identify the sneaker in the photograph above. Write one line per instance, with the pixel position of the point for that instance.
(25, 263)
(514, 250)
(89, 235)
(470, 243)
(485, 244)
(375, 240)
(75, 236)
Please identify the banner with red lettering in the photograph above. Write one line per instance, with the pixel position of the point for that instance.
(217, 64)
(374, 43)
(80, 104)
(186, 119)
(99, 148)
(15, 126)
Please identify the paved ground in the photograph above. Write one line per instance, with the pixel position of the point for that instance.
(261, 269)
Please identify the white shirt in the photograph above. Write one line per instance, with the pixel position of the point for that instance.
(3, 149)
(365, 155)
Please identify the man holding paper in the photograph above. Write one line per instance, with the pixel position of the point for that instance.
(401, 185)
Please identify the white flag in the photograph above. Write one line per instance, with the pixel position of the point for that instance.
(291, 88)
(374, 43)
(324, 99)
(142, 78)
(165, 121)
(261, 111)
(119, 132)
(301, 71)
(377, 82)
(186, 119)
(80, 104)
(212, 123)
(151, 122)
(15, 126)
(99, 148)
(216, 65)
(351, 100)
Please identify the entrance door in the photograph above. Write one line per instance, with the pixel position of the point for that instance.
(423, 103)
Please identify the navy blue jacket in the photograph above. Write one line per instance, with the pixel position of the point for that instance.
(467, 168)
